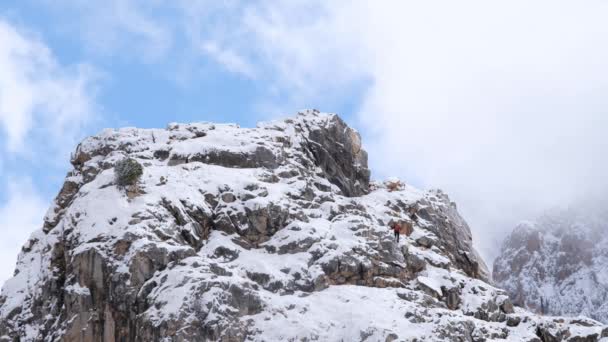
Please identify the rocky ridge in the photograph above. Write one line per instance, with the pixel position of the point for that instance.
(557, 264)
(255, 234)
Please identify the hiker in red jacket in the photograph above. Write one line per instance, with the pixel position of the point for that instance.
(396, 230)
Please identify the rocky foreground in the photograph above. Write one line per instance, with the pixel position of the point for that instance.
(558, 264)
(267, 234)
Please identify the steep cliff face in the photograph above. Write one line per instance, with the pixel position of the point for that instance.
(264, 234)
(558, 265)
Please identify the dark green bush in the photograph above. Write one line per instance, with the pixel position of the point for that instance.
(127, 172)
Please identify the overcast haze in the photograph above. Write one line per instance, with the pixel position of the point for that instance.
(503, 105)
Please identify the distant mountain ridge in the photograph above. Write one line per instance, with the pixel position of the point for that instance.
(558, 264)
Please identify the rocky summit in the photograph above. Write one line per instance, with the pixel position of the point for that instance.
(273, 233)
(558, 264)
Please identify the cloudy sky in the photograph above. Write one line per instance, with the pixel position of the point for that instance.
(502, 104)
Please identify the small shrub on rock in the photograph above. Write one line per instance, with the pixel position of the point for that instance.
(127, 172)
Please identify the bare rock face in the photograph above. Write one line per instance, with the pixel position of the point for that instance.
(557, 264)
(259, 234)
(337, 150)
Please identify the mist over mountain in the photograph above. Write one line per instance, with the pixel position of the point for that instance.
(557, 264)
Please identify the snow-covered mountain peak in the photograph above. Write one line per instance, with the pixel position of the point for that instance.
(260, 234)
(557, 264)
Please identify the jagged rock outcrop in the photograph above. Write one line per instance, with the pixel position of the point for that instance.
(263, 234)
(557, 265)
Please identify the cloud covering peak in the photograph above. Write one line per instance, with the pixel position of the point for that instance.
(503, 105)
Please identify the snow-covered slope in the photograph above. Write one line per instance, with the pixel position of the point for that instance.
(559, 263)
(267, 234)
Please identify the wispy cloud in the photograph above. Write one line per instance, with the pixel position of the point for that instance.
(229, 59)
(290, 47)
(20, 215)
(256, 39)
(38, 96)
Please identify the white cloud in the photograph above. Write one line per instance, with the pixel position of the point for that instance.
(290, 47)
(38, 96)
(230, 60)
(20, 215)
(501, 104)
